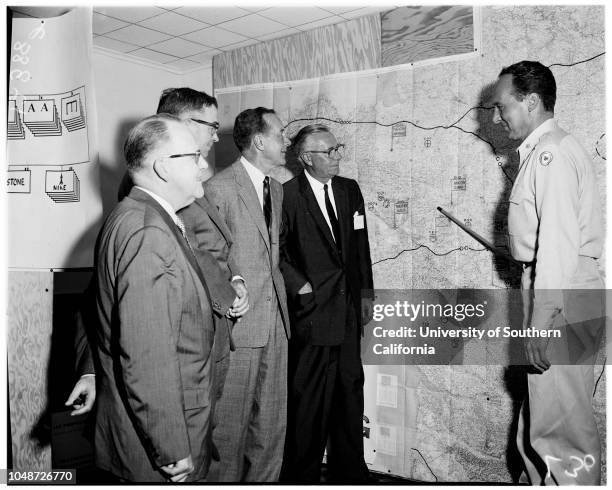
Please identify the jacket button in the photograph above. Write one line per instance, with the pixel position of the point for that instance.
(216, 305)
(269, 298)
(342, 291)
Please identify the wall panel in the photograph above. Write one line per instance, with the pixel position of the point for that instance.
(30, 297)
(417, 33)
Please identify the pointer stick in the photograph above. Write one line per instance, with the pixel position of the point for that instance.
(478, 238)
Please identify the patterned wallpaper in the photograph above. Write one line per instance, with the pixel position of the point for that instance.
(349, 46)
(398, 36)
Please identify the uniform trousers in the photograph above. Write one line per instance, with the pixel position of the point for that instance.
(557, 434)
(326, 407)
(252, 412)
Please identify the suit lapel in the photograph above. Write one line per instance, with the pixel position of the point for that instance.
(215, 217)
(247, 193)
(315, 211)
(139, 195)
(277, 206)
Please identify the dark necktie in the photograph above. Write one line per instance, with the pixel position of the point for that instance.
(267, 202)
(332, 219)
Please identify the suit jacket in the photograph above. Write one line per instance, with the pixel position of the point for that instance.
(252, 250)
(309, 254)
(208, 235)
(154, 339)
(211, 240)
(205, 225)
(85, 319)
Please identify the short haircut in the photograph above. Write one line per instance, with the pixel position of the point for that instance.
(298, 141)
(533, 77)
(249, 123)
(176, 101)
(145, 137)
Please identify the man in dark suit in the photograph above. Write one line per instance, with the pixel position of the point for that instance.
(251, 431)
(325, 261)
(207, 232)
(210, 239)
(83, 394)
(155, 327)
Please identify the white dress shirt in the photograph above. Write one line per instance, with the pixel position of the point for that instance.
(256, 176)
(164, 204)
(319, 192)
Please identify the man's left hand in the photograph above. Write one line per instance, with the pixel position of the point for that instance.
(367, 310)
(179, 471)
(535, 350)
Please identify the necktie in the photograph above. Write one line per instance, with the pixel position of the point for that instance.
(267, 202)
(181, 226)
(332, 219)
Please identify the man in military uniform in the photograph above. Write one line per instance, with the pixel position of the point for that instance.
(556, 230)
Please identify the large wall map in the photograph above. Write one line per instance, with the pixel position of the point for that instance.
(419, 137)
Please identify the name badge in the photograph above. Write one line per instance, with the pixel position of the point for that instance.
(358, 221)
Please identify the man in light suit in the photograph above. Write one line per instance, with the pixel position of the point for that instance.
(251, 431)
(325, 261)
(155, 331)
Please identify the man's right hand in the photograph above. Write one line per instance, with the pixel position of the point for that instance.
(179, 471)
(305, 289)
(83, 395)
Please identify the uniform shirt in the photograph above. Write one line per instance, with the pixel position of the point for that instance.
(319, 193)
(554, 214)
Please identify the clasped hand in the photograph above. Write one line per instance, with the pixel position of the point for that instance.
(241, 303)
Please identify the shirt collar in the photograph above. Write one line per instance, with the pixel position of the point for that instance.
(315, 184)
(256, 175)
(162, 202)
(526, 146)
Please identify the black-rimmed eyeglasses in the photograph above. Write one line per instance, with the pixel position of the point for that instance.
(196, 155)
(213, 125)
(333, 152)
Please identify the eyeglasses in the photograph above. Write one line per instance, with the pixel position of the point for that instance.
(333, 152)
(196, 155)
(214, 125)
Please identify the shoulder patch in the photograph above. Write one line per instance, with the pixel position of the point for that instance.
(545, 158)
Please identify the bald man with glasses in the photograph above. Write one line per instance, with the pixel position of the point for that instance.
(210, 239)
(208, 233)
(325, 261)
(155, 329)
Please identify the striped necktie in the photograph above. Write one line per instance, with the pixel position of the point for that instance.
(181, 226)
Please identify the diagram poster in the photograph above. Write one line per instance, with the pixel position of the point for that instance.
(52, 180)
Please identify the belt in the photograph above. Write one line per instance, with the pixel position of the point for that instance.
(524, 265)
